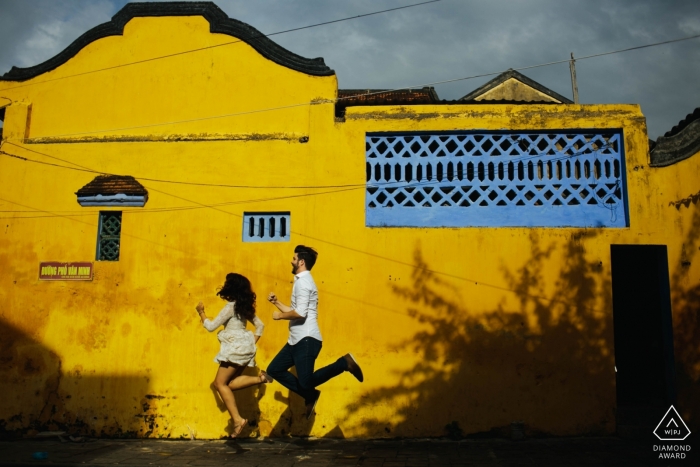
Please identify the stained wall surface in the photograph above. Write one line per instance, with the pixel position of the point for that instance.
(458, 330)
(513, 90)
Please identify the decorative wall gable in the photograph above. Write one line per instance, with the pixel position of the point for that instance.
(515, 87)
(219, 21)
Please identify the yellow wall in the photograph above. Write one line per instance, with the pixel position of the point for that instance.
(480, 327)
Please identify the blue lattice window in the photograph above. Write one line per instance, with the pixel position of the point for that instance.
(553, 179)
(109, 236)
(266, 226)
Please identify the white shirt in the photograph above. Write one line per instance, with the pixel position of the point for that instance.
(305, 303)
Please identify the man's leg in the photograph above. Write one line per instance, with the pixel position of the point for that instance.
(305, 352)
(322, 375)
(278, 367)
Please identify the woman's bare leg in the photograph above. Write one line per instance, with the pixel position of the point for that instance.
(223, 376)
(245, 381)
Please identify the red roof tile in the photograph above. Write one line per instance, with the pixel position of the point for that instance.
(113, 185)
(387, 97)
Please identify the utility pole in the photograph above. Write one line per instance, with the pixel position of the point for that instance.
(574, 86)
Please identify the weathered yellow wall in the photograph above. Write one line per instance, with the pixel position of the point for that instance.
(674, 193)
(480, 327)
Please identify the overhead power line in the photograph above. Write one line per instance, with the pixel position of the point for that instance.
(170, 209)
(44, 154)
(81, 168)
(384, 91)
(327, 242)
(355, 250)
(470, 173)
(160, 57)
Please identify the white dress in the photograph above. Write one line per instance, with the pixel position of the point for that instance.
(237, 344)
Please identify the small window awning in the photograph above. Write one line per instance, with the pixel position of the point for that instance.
(113, 190)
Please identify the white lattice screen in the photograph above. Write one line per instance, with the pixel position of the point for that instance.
(552, 179)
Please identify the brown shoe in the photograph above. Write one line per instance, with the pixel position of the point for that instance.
(354, 368)
(312, 405)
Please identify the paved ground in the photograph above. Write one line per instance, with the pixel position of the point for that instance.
(325, 452)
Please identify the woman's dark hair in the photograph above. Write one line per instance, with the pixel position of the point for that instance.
(237, 289)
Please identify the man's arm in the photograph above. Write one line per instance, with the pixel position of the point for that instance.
(284, 312)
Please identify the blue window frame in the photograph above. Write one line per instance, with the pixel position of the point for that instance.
(496, 179)
(266, 226)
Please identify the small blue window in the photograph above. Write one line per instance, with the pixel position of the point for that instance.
(266, 226)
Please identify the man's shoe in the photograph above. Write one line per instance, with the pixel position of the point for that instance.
(312, 405)
(354, 368)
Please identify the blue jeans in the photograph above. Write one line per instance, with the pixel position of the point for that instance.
(302, 355)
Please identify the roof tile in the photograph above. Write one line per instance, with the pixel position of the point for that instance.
(113, 185)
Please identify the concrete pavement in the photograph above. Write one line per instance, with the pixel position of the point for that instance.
(310, 452)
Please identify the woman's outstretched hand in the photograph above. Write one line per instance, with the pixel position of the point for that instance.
(200, 311)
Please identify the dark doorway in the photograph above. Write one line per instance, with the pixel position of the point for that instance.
(643, 333)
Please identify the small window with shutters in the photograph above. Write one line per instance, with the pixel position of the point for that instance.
(266, 226)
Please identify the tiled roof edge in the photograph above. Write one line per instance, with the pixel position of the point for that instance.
(676, 147)
(690, 118)
(219, 23)
(520, 77)
(96, 186)
(446, 102)
(429, 90)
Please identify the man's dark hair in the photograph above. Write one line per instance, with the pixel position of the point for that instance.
(308, 254)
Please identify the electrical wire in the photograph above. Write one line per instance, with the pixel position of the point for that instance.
(221, 185)
(385, 258)
(178, 208)
(468, 173)
(4, 153)
(160, 57)
(385, 91)
(372, 185)
(403, 263)
(178, 182)
(337, 245)
(47, 155)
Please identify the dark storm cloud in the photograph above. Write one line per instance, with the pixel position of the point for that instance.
(33, 31)
(441, 41)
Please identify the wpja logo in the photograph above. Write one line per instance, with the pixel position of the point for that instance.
(672, 428)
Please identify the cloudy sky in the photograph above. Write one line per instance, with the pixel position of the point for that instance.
(440, 41)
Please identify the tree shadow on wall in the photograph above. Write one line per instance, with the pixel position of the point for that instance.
(39, 395)
(685, 295)
(547, 363)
